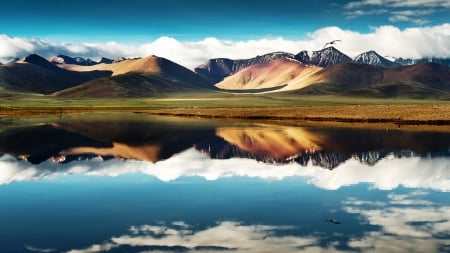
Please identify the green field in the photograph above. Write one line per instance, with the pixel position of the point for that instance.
(12, 101)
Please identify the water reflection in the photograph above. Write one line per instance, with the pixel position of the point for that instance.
(411, 225)
(158, 139)
(391, 172)
(165, 185)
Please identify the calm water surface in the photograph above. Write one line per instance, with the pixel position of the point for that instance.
(143, 184)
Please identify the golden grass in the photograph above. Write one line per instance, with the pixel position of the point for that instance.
(402, 114)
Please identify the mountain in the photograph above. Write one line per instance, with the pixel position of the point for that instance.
(407, 61)
(215, 70)
(416, 81)
(105, 60)
(35, 74)
(280, 74)
(327, 57)
(150, 76)
(373, 58)
(441, 61)
(64, 59)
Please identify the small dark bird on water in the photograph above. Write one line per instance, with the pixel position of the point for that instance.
(330, 43)
(333, 221)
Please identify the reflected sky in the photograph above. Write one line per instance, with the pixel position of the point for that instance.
(165, 186)
(140, 214)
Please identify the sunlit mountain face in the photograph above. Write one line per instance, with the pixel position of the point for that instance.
(134, 183)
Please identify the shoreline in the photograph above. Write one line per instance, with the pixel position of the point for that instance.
(370, 114)
(438, 114)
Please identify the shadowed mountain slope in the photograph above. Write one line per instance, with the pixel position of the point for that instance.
(36, 74)
(418, 81)
(150, 76)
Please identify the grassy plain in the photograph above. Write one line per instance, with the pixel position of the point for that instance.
(244, 106)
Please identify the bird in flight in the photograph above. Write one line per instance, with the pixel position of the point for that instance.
(330, 43)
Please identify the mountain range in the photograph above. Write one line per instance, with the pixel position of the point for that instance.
(325, 71)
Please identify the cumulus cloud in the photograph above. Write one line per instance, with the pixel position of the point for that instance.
(418, 42)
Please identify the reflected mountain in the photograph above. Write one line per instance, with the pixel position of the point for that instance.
(279, 143)
(121, 139)
(324, 147)
(156, 139)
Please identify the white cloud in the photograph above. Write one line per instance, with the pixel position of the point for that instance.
(358, 13)
(388, 173)
(399, 3)
(402, 18)
(431, 41)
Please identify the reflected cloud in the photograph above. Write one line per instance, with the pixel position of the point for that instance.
(407, 228)
(388, 173)
(223, 236)
(34, 249)
(412, 225)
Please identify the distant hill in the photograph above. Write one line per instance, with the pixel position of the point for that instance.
(150, 76)
(35, 74)
(64, 59)
(424, 80)
(105, 60)
(407, 61)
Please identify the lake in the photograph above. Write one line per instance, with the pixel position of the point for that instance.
(138, 183)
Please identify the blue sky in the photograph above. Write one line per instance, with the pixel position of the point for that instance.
(138, 20)
(192, 31)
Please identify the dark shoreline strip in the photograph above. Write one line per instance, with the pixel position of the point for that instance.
(318, 119)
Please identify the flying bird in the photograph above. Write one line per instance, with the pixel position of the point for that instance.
(330, 43)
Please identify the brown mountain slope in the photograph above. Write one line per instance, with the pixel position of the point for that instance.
(141, 65)
(150, 76)
(290, 74)
(418, 81)
(36, 74)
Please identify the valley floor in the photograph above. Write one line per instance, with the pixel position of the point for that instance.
(294, 108)
(425, 114)
(401, 114)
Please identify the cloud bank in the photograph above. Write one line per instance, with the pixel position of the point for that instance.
(418, 42)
